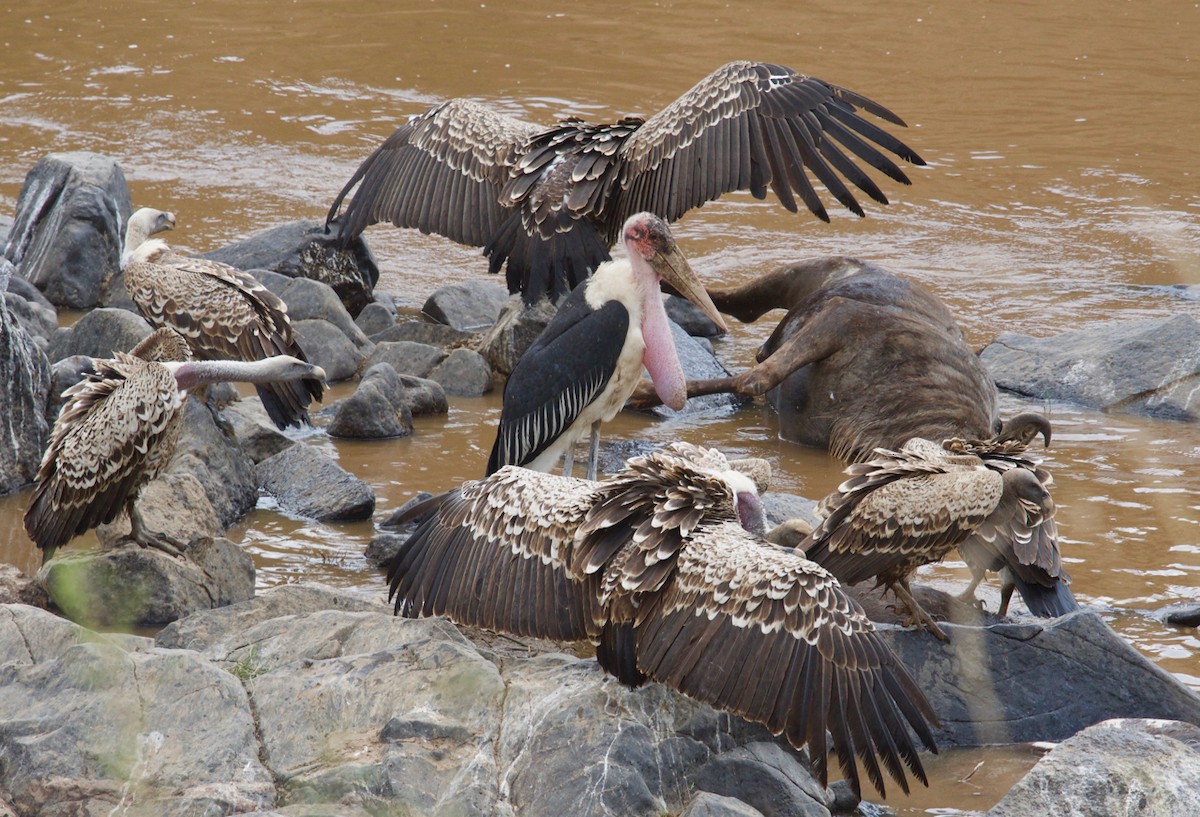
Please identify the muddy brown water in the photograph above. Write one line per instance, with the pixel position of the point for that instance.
(1061, 191)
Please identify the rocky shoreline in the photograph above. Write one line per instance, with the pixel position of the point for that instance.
(305, 701)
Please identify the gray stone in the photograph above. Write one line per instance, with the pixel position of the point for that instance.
(64, 374)
(514, 331)
(1182, 615)
(423, 331)
(382, 548)
(689, 317)
(17, 588)
(302, 249)
(406, 357)
(223, 469)
(376, 410)
(307, 482)
(24, 428)
(307, 299)
(99, 333)
(70, 222)
(768, 778)
(699, 363)
(467, 305)
(707, 804)
(256, 435)
(172, 503)
(328, 347)
(375, 318)
(424, 396)
(1147, 367)
(1125, 767)
(463, 373)
(133, 587)
(37, 315)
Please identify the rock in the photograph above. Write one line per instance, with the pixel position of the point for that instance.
(707, 804)
(688, 316)
(1018, 682)
(699, 363)
(99, 333)
(24, 428)
(376, 410)
(421, 331)
(463, 373)
(69, 226)
(514, 331)
(307, 299)
(17, 588)
(256, 435)
(307, 482)
(37, 315)
(406, 357)
(173, 503)
(766, 777)
(1182, 615)
(781, 507)
(302, 249)
(1149, 367)
(375, 318)
(328, 347)
(93, 725)
(382, 548)
(468, 305)
(133, 587)
(1129, 767)
(64, 374)
(396, 519)
(424, 397)
(223, 469)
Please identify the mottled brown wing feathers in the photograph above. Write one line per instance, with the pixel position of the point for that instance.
(766, 634)
(442, 173)
(495, 556)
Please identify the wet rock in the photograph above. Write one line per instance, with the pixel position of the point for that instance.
(707, 804)
(99, 333)
(689, 317)
(424, 396)
(375, 318)
(307, 299)
(766, 777)
(463, 373)
(18, 588)
(64, 374)
(24, 429)
(383, 547)
(1017, 682)
(376, 410)
(93, 724)
(328, 347)
(421, 331)
(1143, 767)
(1182, 615)
(468, 305)
(131, 587)
(256, 435)
(173, 503)
(223, 469)
(514, 331)
(307, 482)
(69, 225)
(36, 315)
(301, 249)
(699, 363)
(1147, 366)
(406, 357)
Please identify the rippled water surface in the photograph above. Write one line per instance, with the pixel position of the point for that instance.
(1061, 191)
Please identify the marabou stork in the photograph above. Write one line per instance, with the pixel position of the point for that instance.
(584, 365)
(655, 568)
(903, 509)
(117, 430)
(224, 313)
(550, 202)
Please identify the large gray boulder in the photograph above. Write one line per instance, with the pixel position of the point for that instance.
(328, 347)
(463, 373)
(308, 299)
(70, 223)
(224, 470)
(1148, 366)
(376, 410)
(406, 357)
(99, 333)
(308, 482)
(1135, 768)
(302, 249)
(427, 332)
(468, 305)
(24, 430)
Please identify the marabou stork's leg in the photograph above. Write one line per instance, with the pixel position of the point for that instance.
(594, 452)
(917, 615)
(147, 538)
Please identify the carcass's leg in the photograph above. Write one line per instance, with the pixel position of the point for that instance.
(783, 288)
(594, 452)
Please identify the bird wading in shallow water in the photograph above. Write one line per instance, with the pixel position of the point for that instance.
(584, 365)
(549, 203)
(656, 568)
(224, 313)
(117, 430)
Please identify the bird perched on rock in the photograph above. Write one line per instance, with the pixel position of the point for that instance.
(224, 313)
(550, 202)
(117, 430)
(655, 567)
(903, 509)
(584, 365)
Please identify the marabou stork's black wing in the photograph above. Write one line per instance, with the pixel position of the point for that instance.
(442, 173)
(563, 372)
(768, 635)
(495, 554)
(750, 125)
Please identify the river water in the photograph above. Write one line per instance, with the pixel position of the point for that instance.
(1062, 191)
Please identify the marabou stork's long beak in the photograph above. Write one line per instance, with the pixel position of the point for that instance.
(675, 270)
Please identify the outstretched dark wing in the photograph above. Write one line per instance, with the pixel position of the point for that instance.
(768, 635)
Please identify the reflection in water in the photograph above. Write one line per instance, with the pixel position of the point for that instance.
(1061, 192)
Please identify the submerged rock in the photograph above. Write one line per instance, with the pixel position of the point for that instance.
(307, 482)
(378, 409)
(463, 373)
